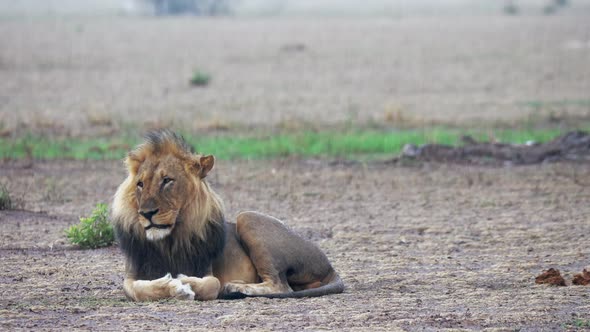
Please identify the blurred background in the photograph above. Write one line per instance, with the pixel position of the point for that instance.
(112, 68)
(292, 7)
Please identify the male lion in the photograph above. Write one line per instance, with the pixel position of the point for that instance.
(170, 223)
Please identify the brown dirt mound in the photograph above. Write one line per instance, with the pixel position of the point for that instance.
(551, 277)
(573, 146)
(582, 279)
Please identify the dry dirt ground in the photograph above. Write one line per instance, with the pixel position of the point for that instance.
(82, 76)
(427, 247)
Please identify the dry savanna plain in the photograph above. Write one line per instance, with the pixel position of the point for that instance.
(420, 246)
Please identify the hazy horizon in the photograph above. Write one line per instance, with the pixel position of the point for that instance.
(399, 8)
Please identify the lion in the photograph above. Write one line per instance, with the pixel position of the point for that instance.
(171, 228)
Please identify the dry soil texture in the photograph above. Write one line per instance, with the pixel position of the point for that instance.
(71, 75)
(422, 248)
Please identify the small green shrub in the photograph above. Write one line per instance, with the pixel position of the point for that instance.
(561, 2)
(511, 9)
(549, 10)
(5, 201)
(200, 78)
(93, 232)
(194, 7)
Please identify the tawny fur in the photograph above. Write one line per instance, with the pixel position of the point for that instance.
(169, 221)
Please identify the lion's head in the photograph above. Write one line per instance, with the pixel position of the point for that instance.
(165, 191)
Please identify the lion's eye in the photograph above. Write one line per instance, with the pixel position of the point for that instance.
(166, 180)
(139, 184)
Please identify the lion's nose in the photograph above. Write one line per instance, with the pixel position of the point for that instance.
(149, 214)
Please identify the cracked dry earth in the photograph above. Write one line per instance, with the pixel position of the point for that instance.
(428, 247)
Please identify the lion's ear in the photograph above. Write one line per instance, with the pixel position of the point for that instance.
(205, 165)
(133, 162)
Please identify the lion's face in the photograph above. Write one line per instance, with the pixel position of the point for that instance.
(163, 184)
(165, 188)
(160, 184)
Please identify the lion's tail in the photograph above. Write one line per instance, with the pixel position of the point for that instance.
(335, 286)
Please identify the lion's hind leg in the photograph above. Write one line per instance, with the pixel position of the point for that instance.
(280, 257)
(264, 288)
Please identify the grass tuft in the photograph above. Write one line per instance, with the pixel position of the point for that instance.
(5, 201)
(200, 78)
(93, 232)
(578, 323)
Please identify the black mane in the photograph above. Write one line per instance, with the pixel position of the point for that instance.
(150, 260)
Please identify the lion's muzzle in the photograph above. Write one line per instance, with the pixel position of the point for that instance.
(149, 214)
(158, 226)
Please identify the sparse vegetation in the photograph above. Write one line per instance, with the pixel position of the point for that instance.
(511, 9)
(4, 132)
(350, 143)
(200, 78)
(5, 201)
(578, 323)
(53, 190)
(93, 232)
(99, 119)
(195, 7)
(554, 104)
(549, 10)
(555, 6)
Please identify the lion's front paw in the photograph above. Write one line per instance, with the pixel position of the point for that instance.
(175, 288)
(206, 288)
(180, 291)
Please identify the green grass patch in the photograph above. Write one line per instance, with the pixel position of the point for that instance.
(578, 323)
(350, 144)
(200, 78)
(93, 232)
